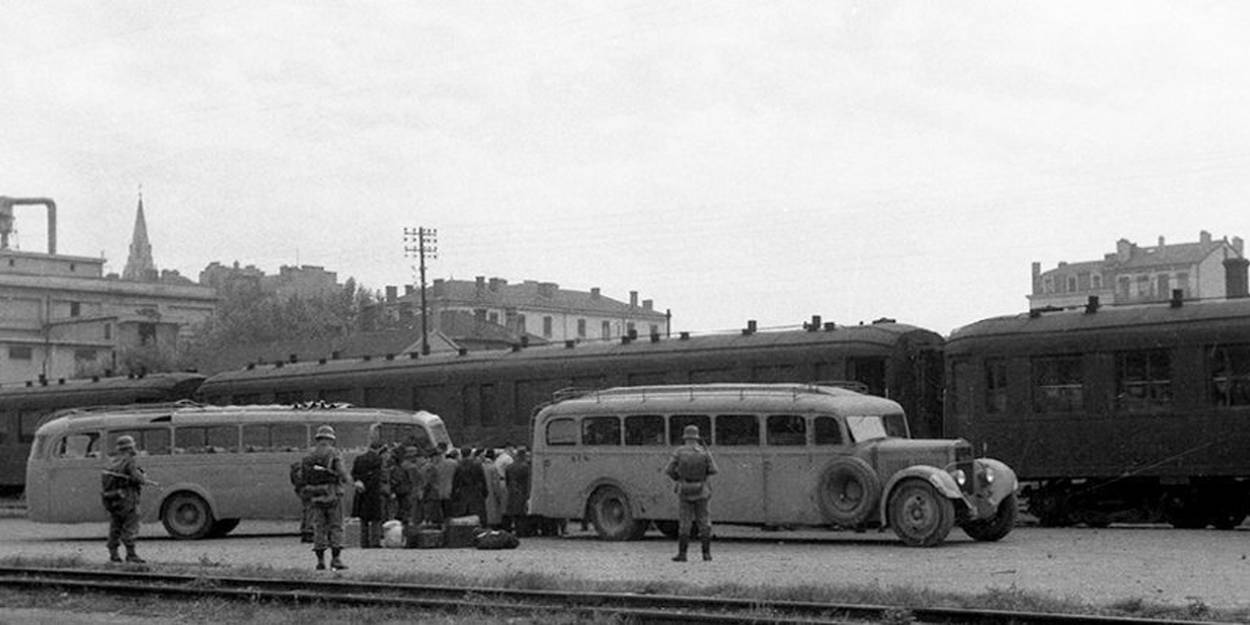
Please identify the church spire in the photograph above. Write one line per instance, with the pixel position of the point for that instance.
(139, 266)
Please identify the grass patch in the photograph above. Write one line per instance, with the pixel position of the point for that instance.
(903, 598)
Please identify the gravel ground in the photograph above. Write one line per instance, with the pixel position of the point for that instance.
(1177, 567)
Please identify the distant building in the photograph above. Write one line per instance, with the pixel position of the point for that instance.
(1140, 274)
(539, 309)
(304, 281)
(60, 317)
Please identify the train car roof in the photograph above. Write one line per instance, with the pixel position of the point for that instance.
(883, 333)
(87, 385)
(1106, 318)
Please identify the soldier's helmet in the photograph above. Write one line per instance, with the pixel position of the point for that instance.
(325, 431)
(690, 433)
(125, 443)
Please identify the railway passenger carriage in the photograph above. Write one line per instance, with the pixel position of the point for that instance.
(1113, 414)
(24, 407)
(488, 398)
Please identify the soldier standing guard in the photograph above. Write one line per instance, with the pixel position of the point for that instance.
(121, 484)
(689, 468)
(324, 477)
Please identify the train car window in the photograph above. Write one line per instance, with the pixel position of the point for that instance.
(489, 404)
(786, 430)
(644, 429)
(590, 381)
(678, 422)
(148, 442)
(83, 445)
(601, 431)
(645, 378)
(1143, 380)
(776, 373)
(870, 371)
(1058, 384)
(561, 432)
(287, 397)
(826, 431)
(829, 371)
(336, 395)
(377, 397)
(995, 385)
(1230, 375)
(737, 430)
(706, 376)
(28, 422)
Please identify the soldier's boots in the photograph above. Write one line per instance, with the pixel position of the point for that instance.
(335, 562)
(707, 549)
(321, 559)
(683, 544)
(133, 557)
(113, 555)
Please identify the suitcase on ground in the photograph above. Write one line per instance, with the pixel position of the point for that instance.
(429, 537)
(461, 536)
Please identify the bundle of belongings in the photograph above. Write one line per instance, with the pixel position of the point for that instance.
(495, 539)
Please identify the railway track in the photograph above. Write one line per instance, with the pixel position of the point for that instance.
(637, 608)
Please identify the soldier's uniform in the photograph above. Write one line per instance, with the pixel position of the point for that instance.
(689, 468)
(120, 488)
(324, 477)
(306, 507)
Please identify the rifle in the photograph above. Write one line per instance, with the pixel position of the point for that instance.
(146, 481)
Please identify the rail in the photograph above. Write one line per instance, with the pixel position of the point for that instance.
(652, 609)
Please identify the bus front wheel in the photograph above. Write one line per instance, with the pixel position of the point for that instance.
(613, 517)
(186, 516)
(919, 514)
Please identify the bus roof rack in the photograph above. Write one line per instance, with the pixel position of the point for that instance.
(850, 385)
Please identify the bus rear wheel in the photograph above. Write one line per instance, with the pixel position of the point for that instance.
(186, 516)
(613, 517)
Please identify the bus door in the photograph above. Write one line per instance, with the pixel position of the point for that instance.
(61, 472)
(738, 492)
(787, 463)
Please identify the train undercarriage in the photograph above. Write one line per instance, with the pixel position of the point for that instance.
(1186, 503)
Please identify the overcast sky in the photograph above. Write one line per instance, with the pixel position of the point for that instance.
(728, 160)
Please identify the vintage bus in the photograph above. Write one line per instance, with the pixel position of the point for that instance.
(789, 454)
(24, 406)
(215, 465)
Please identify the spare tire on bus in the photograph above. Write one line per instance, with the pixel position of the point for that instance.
(848, 492)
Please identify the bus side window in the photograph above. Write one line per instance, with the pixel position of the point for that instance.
(85, 445)
(601, 431)
(678, 422)
(737, 429)
(827, 431)
(645, 429)
(787, 429)
(289, 436)
(154, 441)
(561, 432)
(352, 436)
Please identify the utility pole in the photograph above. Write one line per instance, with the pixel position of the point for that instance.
(426, 240)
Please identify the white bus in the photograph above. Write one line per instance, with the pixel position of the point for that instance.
(215, 465)
(789, 454)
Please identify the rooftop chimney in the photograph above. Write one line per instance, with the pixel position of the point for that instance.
(1204, 237)
(633, 299)
(1161, 241)
(392, 292)
(648, 304)
(594, 292)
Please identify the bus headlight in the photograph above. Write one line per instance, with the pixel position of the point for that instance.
(961, 478)
(989, 475)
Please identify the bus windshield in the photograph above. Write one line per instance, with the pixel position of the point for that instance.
(868, 427)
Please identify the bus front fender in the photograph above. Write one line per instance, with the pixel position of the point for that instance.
(939, 479)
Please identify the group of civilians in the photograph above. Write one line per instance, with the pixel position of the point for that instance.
(428, 487)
